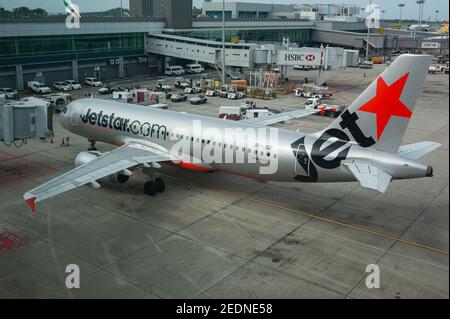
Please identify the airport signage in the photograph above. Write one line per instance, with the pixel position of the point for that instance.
(305, 56)
(430, 45)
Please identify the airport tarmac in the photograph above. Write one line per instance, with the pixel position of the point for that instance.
(218, 235)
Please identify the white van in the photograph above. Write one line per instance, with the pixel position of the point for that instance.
(174, 70)
(194, 68)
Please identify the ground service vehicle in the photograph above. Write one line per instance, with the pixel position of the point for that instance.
(178, 98)
(331, 110)
(174, 70)
(37, 87)
(106, 90)
(161, 85)
(199, 99)
(192, 90)
(194, 68)
(235, 95)
(212, 92)
(181, 83)
(58, 100)
(9, 93)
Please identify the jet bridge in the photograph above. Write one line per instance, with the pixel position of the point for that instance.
(248, 55)
(236, 55)
(25, 119)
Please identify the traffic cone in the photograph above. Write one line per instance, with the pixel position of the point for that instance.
(62, 142)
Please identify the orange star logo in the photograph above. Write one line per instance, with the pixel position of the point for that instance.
(386, 103)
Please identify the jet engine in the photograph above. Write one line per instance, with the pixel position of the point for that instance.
(85, 157)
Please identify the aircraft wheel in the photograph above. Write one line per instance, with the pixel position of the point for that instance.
(160, 185)
(150, 188)
(122, 179)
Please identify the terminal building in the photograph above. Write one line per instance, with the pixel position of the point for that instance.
(246, 10)
(45, 50)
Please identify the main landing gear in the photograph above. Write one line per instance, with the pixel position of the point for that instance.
(155, 185)
(92, 147)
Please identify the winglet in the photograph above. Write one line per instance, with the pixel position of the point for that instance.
(32, 203)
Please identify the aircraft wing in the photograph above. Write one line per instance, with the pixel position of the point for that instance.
(368, 175)
(417, 150)
(121, 158)
(280, 117)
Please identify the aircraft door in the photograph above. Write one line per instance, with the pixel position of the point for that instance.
(74, 117)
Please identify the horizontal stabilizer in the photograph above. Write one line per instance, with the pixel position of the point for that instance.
(368, 175)
(417, 150)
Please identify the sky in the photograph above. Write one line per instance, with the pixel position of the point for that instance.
(392, 11)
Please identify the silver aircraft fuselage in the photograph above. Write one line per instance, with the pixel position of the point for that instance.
(296, 156)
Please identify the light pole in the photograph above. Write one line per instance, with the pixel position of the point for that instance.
(421, 4)
(368, 31)
(401, 5)
(437, 13)
(223, 42)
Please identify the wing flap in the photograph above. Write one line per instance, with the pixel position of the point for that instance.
(369, 176)
(121, 158)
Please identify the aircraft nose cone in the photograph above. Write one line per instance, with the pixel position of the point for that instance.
(429, 171)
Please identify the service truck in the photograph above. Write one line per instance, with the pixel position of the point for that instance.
(311, 90)
(332, 110)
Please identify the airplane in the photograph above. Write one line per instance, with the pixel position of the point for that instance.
(363, 144)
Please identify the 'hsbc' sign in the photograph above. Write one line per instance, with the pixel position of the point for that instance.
(313, 57)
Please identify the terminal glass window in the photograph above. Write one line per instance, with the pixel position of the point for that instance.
(49, 45)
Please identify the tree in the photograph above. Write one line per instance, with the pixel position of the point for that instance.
(39, 12)
(22, 12)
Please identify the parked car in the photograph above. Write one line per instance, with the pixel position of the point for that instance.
(61, 86)
(9, 93)
(199, 99)
(38, 87)
(299, 67)
(178, 98)
(92, 82)
(74, 85)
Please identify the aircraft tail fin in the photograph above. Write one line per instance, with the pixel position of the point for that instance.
(380, 115)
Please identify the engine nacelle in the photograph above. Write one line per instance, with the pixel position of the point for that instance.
(84, 158)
